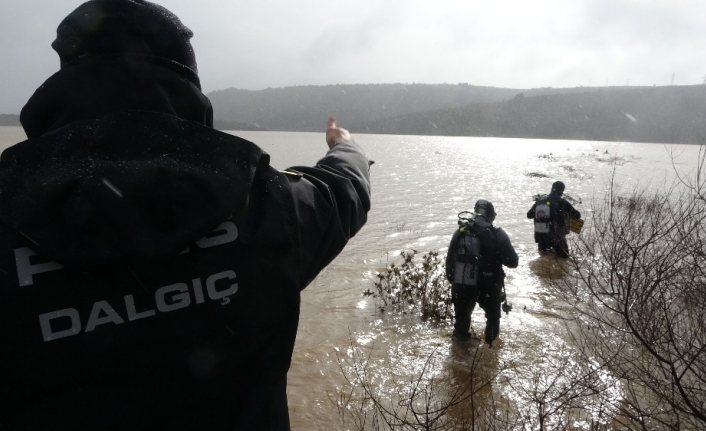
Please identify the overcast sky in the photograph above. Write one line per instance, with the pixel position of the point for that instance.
(256, 44)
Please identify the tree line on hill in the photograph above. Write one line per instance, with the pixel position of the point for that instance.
(304, 108)
(9, 120)
(650, 114)
(669, 114)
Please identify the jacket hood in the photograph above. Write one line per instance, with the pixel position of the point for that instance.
(134, 29)
(90, 88)
(130, 187)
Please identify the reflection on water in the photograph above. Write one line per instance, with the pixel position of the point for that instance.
(547, 268)
(420, 184)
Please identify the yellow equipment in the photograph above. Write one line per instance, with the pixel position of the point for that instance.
(575, 225)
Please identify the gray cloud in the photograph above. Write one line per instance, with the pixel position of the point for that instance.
(513, 43)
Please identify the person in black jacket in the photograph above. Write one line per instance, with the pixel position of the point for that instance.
(150, 266)
(551, 215)
(476, 255)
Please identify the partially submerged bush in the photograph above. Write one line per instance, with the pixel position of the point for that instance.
(417, 284)
(536, 175)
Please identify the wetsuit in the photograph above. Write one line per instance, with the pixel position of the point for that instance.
(496, 250)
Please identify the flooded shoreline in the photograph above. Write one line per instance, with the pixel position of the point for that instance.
(420, 184)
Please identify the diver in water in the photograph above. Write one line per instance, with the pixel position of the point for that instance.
(551, 214)
(474, 262)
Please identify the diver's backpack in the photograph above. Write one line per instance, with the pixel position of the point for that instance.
(476, 252)
(542, 214)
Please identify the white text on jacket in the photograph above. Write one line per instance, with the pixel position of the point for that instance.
(219, 287)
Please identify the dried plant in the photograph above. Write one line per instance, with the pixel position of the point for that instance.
(639, 295)
(423, 401)
(416, 284)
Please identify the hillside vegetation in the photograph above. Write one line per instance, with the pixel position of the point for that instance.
(9, 120)
(654, 114)
(673, 114)
(305, 108)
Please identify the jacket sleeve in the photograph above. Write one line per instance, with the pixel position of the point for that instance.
(331, 201)
(450, 261)
(507, 251)
(571, 211)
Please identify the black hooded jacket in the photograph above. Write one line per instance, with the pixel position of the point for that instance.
(150, 267)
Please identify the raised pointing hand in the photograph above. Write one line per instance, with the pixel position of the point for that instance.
(335, 134)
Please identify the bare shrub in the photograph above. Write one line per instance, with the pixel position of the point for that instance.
(459, 398)
(469, 390)
(415, 284)
(556, 392)
(639, 292)
(536, 175)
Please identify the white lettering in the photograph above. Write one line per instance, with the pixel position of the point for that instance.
(225, 233)
(219, 287)
(180, 299)
(132, 313)
(222, 295)
(95, 319)
(25, 269)
(45, 323)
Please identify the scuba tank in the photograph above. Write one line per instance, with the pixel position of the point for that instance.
(542, 214)
(545, 216)
(477, 260)
(468, 256)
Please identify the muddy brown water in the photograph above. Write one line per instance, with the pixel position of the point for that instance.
(419, 184)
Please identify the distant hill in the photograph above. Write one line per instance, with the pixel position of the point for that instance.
(9, 120)
(235, 125)
(670, 114)
(14, 120)
(306, 108)
(639, 114)
(650, 114)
